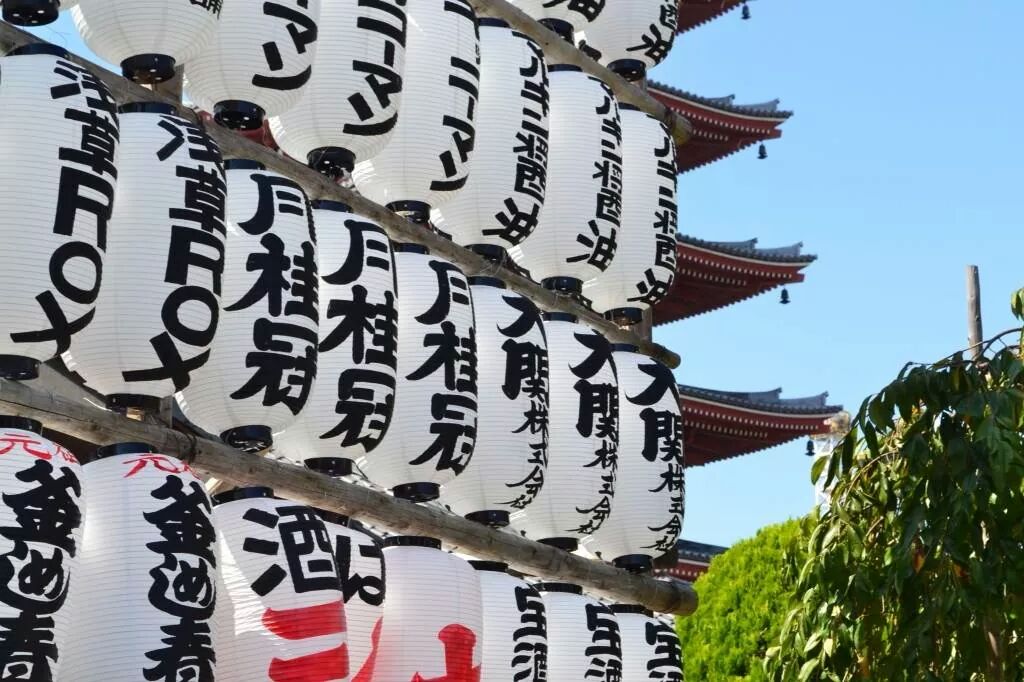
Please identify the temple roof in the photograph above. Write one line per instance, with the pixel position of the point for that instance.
(712, 275)
(720, 126)
(693, 13)
(698, 550)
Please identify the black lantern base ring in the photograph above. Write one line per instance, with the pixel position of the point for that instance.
(238, 115)
(23, 423)
(414, 211)
(492, 253)
(18, 368)
(635, 563)
(565, 285)
(632, 70)
(330, 466)
(625, 317)
(333, 162)
(119, 402)
(417, 492)
(253, 438)
(149, 68)
(564, 544)
(31, 12)
(493, 518)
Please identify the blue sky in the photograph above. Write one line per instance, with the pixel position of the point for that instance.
(901, 166)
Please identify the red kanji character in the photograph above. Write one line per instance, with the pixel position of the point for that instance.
(365, 673)
(66, 455)
(459, 643)
(305, 623)
(161, 462)
(29, 445)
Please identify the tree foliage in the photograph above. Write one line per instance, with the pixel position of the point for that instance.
(744, 598)
(917, 570)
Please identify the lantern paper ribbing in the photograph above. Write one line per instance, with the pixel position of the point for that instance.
(40, 550)
(281, 615)
(650, 647)
(515, 640)
(350, 108)
(350, 407)
(264, 358)
(433, 623)
(502, 200)
(147, 38)
(647, 515)
(578, 230)
(166, 247)
(631, 36)
(573, 14)
(433, 428)
(258, 62)
(145, 590)
(58, 151)
(511, 454)
(644, 268)
(428, 157)
(583, 636)
(583, 437)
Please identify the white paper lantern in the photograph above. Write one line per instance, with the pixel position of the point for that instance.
(578, 232)
(644, 268)
(360, 561)
(433, 615)
(258, 63)
(583, 428)
(632, 36)
(583, 636)
(281, 615)
(58, 154)
(428, 157)
(147, 38)
(144, 592)
(564, 17)
(166, 247)
(350, 108)
(350, 407)
(41, 518)
(650, 647)
(646, 517)
(433, 427)
(34, 12)
(515, 639)
(511, 454)
(502, 201)
(264, 358)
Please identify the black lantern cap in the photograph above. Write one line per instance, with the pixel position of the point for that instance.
(636, 564)
(331, 466)
(243, 164)
(333, 517)
(632, 608)
(414, 211)
(632, 70)
(563, 28)
(333, 162)
(329, 205)
(567, 588)
(417, 492)
(492, 566)
(625, 348)
(18, 368)
(625, 316)
(148, 108)
(555, 68)
(251, 438)
(567, 285)
(484, 281)
(412, 541)
(556, 316)
(493, 518)
(564, 544)
(493, 22)
(35, 48)
(149, 68)
(491, 253)
(238, 115)
(119, 402)
(118, 449)
(410, 247)
(22, 423)
(31, 12)
(247, 493)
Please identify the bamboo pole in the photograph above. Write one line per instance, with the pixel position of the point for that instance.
(974, 329)
(83, 420)
(317, 186)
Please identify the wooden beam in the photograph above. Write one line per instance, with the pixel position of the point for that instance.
(318, 187)
(82, 420)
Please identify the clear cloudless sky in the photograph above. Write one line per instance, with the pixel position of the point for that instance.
(902, 165)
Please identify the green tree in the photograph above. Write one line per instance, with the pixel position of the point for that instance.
(744, 598)
(917, 570)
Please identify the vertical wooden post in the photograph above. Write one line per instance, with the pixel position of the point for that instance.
(974, 329)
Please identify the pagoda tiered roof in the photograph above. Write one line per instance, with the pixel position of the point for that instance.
(694, 559)
(720, 425)
(712, 275)
(693, 13)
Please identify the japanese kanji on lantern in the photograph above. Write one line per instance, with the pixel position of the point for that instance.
(647, 515)
(645, 265)
(428, 157)
(583, 636)
(578, 231)
(41, 515)
(280, 613)
(147, 38)
(166, 245)
(650, 647)
(360, 561)
(350, 108)
(501, 203)
(511, 454)
(58, 147)
(433, 427)
(515, 635)
(432, 629)
(564, 17)
(145, 589)
(350, 406)
(264, 358)
(258, 63)
(632, 36)
(583, 428)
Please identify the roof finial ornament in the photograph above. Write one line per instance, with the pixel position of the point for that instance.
(762, 152)
(746, 12)
(784, 298)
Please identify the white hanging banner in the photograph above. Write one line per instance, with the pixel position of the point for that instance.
(166, 245)
(647, 515)
(281, 616)
(583, 636)
(583, 437)
(515, 634)
(58, 153)
(650, 647)
(41, 524)
(145, 589)
(349, 409)
(511, 453)
(632, 36)
(264, 358)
